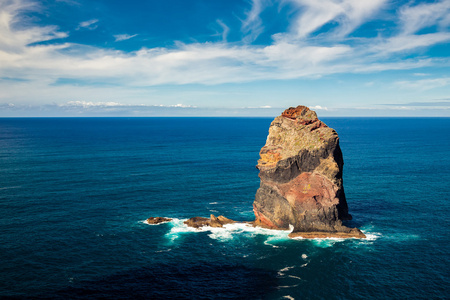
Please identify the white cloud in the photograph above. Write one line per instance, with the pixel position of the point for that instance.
(87, 104)
(91, 104)
(424, 84)
(318, 107)
(408, 43)
(349, 14)
(414, 18)
(89, 24)
(13, 42)
(225, 30)
(177, 105)
(252, 26)
(124, 37)
(291, 55)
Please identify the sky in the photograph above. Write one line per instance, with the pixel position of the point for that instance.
(224, 57)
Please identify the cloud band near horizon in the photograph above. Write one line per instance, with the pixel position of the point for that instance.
(322, 38)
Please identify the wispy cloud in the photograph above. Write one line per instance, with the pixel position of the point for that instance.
(412, 19)
(410, 42)
(415, 18)
(424, 84)
(252, 26)
(225, 30)
(70, 2)
(420, 104)
(88, 108)
(124, 37)
(89, 24)
(89, 104)
(13, 42)
(349, 14)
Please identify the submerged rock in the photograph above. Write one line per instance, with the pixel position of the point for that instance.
(157, 220)
(213, 221)
(301, 178)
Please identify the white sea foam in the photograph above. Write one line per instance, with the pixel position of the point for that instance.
(289, 297)
(371, 236)
(228, 231)
(214, 203)
(304, 256)
(286, 286)
(10, 187)
(266, 242)
(282, 271)
(327, 242)
(165, 250)
(286, 269)
(219, 234)
(321, 242)
(178, 228)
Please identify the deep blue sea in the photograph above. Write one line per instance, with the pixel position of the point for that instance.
(74, 193)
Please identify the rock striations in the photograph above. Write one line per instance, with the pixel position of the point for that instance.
(301, 178)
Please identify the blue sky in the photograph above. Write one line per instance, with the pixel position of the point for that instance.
(224, 57)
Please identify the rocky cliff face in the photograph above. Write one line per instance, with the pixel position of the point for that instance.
(301, 178)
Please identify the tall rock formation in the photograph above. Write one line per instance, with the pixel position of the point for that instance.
(301, 178)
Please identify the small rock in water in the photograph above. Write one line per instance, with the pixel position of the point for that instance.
(157, 220)
(213, 221)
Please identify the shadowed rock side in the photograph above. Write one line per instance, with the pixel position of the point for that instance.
(301, 178)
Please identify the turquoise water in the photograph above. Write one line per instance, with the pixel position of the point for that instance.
(74, 193)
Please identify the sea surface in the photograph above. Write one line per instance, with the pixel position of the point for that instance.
(74, 194)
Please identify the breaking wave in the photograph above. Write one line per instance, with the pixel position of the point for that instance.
(227, 232)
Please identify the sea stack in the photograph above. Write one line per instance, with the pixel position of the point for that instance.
(300, 168)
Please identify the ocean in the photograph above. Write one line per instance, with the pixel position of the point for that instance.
(74, 194)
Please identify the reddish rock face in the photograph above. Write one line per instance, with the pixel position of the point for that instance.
(301, 177)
